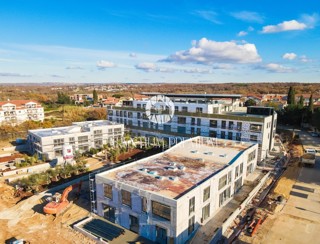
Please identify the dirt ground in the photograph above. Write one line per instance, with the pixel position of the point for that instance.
(25, 219)
(283, 188)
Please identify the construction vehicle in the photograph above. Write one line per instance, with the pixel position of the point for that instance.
(59, 203)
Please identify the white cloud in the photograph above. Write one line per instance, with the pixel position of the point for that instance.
(289, 56)
(208, 15)
(304, 59)
(74, 67)
(103, 64)
(242, 33)
(197, 70)
(132, 55)
(290, 25)
(250, 28)
(207, 52)
(248, 16)
(310, 20)
(7, 74)
(147, 67)
(275, 68)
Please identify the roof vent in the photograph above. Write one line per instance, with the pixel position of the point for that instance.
(208, 153)
(158, 177)
(143, 169)
(153, 172)
(172, 163)
(182, 167)
(194, 151)
(173, 178)
(223, 155)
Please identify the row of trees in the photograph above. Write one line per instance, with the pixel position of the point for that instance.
(296, 113)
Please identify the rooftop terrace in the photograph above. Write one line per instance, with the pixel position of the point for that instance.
(76, 127)
(185, 165)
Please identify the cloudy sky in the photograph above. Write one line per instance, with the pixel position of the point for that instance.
(159, 41)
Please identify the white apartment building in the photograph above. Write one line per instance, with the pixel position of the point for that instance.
(81, 135)
(212, 115)
(19, 111)
(167, 196)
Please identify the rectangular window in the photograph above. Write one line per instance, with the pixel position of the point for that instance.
(230, 135)
(205, 212)
(198, 131)
(97, 133)
(192, 131)
(181, 129)
(238, 136)
(182, 120)
(223, 134)
(199, 110)
(83, 139)
(253, 138)
(206, 194)
(223, 124)
(191, 205)
(222, 182)
(213, 123)
(58, 142)
(255, 127)
(229, 177)
(198, 122)
(176, 108)
(237, 184)
(108, 191)
(144, 204)
(126, 197)
(223, 196)
(231, 125)
(239, 125)
(237, 172)
(184, 109)
(212, 133)
(252, 156)
(167, 128)
(191, 225)
(193, 121)
(161, 210)
(241, 168)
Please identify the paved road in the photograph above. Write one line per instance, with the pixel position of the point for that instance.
(299, 221)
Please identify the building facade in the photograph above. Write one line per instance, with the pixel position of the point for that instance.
(210, 115)
(167, 196)
(81, 135)
(19, 111)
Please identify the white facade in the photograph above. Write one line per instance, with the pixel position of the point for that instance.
(19, 111)
(206, 118)
(81, 135)
(166, 201)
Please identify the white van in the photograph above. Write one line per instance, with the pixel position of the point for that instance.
(310, 150)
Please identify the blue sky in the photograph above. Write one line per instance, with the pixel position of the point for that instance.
(159, 41)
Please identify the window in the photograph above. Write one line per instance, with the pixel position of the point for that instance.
(222, 182)
(205, 212)
(252, 156)
(82, 139)
(181, 129)
(144, 204)
(176, 108)
(182, 120)
(224, 196)
(192, 130)
(134, 224)
(223, 134)
(184, 109)
(126, 197)
(212, 133)
(239, 125)
(198, 122)
(223, 124)
(255, 127)
(230, 135)
(199, 110)
(198, 131)
(191, 225)
(167, 128)
(97, 133)
(191, 205)
(237, 184)
(58, 142)
(108, 191)
(231, 125)
(253, 138)
(130, 114)
(241, 168)
(145, 124)
(238, 136)
(206, 194)
(193, 121)
(213, 123)
(237, 172)
(229, 177)
(161, 210)
(138, 105)
(249, 169)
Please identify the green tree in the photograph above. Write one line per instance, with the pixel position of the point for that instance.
(310, 106)
(301, 101)
(95, 96)
(63, 98)
(250, 102)
(291, 96)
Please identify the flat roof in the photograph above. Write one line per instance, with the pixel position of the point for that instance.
(205, 96)
(180, 168)
(76, 127)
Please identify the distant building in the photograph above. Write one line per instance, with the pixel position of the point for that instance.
(81, 135)
(166, 197)
(212, 115)
(19, 111)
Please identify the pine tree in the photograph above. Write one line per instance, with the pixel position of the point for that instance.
(95, 96)
(310, 106)
(291, 96)
(301, 101)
